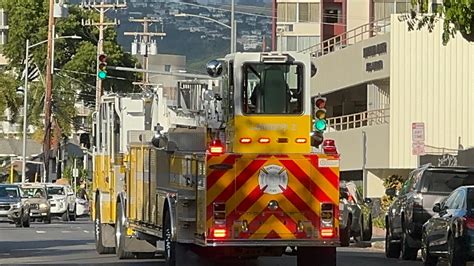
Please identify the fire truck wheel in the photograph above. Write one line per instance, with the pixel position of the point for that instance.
(101, 249)
(326, 256)
(120, 235)
(170, 245)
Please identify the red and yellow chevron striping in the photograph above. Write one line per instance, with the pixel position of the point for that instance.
(270, 196)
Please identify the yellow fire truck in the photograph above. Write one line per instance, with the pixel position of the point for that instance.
(225, 170)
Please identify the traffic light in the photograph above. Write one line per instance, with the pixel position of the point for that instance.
(102, 67)
(320, 122)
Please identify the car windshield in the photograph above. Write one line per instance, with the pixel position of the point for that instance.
(34, 192)
(434, 181)
(9, 192)
(272, 89)
(56, 191)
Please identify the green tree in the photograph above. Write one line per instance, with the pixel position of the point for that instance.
(457, 15)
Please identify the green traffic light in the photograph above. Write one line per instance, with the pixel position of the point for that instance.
(102, 74)
(320, 125)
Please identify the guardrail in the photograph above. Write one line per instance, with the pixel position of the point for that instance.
(358, 120)
(350, 37)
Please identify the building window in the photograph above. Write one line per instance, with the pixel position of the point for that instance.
(308, 12)
(291, 43)
(305, 42)
(287, 12)
(331, 16)
(167, 68)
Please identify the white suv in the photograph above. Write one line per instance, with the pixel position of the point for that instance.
(63, 201)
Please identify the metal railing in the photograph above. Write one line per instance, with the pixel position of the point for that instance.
(358, 120)
(350, 37)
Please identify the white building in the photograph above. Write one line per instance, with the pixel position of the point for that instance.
(378, 85)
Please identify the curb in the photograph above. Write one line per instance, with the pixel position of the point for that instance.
(378, 244)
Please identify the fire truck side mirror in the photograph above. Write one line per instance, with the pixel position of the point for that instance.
(214, 68)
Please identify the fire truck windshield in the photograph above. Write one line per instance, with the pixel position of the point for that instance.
(272, 88)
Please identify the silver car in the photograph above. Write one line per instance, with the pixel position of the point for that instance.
(355, 214)
(12, 207)
(38, 200)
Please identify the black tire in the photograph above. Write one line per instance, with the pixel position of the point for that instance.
(426, 257)
(26, 223)
(18, 224)
(345, 234)
(120, 235)
(392, 250)
(456, 255)
(170, 245)
(408, 253)
(367, 235)
(360, 236)
(73, 216)
(101, 249)
(65, 216)
(306, 256)
(47, 219)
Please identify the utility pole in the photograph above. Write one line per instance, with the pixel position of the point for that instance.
(102, 7)
(146, 36)
(48, 92)
(233, 29)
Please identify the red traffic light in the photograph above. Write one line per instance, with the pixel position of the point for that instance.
(320, 103)
(102, 58)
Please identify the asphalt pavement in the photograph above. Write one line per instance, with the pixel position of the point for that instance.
(73, 243)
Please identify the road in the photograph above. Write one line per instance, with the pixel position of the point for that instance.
(73, 243)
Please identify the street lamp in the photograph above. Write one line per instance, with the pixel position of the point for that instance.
(25, 96)
(232, 29)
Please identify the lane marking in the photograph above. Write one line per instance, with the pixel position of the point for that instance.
(66, 232)
(87, 232)
(41, 232)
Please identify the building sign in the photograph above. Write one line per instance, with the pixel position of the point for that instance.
(371, 51)
(374, 66)
(418, 138)
(374, 50)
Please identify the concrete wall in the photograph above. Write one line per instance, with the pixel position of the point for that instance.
(347, 67)
(358, 13)
(350, 145)
(429, 83)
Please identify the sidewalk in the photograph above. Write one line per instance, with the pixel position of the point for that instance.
(378, 238)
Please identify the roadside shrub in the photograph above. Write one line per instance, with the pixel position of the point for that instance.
(393, 181)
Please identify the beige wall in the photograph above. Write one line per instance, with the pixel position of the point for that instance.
(358, 13)
(350, 145)
(346, 68)
(429, 83)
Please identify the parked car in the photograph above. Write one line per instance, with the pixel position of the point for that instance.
(82, 203)
(38, 200)
(413, 206)
(12, 207)
(355, 214)
(63, 201)
(450, 232)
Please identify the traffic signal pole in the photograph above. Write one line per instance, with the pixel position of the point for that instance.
(102, 25)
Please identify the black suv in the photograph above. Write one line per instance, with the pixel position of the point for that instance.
(413, 206)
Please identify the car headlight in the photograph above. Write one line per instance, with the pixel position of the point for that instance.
(15, 205)
(43, 206)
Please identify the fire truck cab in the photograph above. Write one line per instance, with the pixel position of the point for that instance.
(236, 177)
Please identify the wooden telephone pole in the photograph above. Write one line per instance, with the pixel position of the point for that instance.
(146, 37)
(48, 92)
(102, 7)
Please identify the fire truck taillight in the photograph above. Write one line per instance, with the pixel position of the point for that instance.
(329, 147)
(245, 140)
(219, 233)
(264, 140)
(216, 147)
(327, 220)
